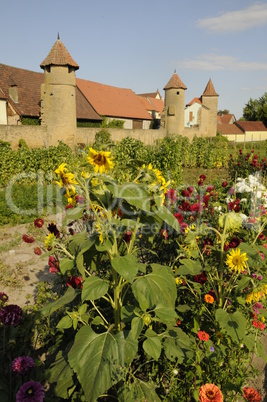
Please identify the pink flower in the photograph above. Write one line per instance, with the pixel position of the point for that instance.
(53, 265)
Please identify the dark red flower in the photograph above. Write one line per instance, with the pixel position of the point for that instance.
(185, 193)
(224, 183)
(53, 264)
(69, 206)
(251, 395)
(75, 282)
(52, 228)
(202, 177)
(127, 236)
(190, 189)
(79, 199)
(183, 226)
(185, 205)
(210, 188)
(179, 217)
(38, 223)
(201, 278)
(27, 238)
(37, 251)
(10, 314)
(171, 195)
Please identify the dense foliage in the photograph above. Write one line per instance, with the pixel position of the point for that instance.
(256, 109)
(161, 292)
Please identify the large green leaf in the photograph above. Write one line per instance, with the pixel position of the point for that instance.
(178, 345)
(163, 213)
(189, 267)
(165, 314)
(135, 194)
(94, 288)
(155, 288)
(127, 266)
(152, 345)
(61, 373)
(66, 265)
(138, 391)
(95, 359)
(234, 324)
(67, 298)
(127, 347)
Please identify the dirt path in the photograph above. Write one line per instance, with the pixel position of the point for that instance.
(21, 270)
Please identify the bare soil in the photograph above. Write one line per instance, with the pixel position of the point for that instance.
(21, 270)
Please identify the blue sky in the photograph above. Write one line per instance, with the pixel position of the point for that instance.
(138, 44)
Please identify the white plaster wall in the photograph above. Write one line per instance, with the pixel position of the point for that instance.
(192, 108)
(3, 114)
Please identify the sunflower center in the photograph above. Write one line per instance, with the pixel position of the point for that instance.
(30, 391)
(236, 260)
(99, 159)
(210, 394)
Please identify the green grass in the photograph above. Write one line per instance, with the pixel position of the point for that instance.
(25, 202)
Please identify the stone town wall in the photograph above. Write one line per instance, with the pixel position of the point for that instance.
(37, 136)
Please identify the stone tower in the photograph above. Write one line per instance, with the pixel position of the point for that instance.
(174, 105)
(58, 95)
(209, 100)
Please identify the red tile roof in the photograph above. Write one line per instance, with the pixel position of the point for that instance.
(209, 90)
(226, 118)
(251, 125)
(29, 93)
(146, 103)
(59, 56)
(194, 100)
(225, 128)
(157, 103)
(175, 82)
(112, 101)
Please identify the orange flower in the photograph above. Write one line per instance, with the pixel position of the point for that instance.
(203, 336)
(209, 299)
(210, 392)
(250, 394)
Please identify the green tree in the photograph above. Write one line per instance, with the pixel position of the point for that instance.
(256, 109)
(223, 112)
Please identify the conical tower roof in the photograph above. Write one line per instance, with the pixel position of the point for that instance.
(175, 82)
(59, 56)
(209, 90)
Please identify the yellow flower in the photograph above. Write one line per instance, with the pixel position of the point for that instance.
(100, 233)
(66, 179)
(100, 160)
(257, 294)
(178, 281)
(49, 241)
(236, 261)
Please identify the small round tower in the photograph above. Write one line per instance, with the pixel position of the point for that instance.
(174, 105)
(209, 100)
(58, 94)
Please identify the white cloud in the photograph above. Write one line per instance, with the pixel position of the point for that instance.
(215, 62)
(233, 21)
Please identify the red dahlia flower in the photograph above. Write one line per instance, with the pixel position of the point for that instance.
(75, 282)
(251, 395)
(27, 238)
(38, 223)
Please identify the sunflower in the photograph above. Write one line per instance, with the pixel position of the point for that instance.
(49, 241)
(236, 261)
(100, 160)
(67, 179)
